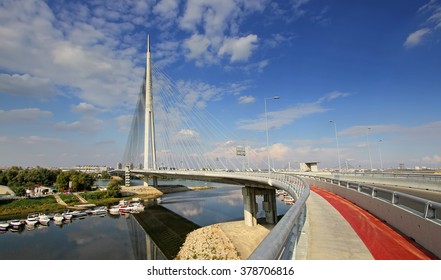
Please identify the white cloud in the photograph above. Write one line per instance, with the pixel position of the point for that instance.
(26, 85)
(124, 122)
(239, 48)
(35, 139)
(23, 115)
(277, 119)
(215, 28)
(333, 95)
(363, 130)
(213, 17)
(415, 38)
(82, 54)
(85, 108)
(198, 49)
(167, 9)
(432, 160)
(83, 126)
(247, 99)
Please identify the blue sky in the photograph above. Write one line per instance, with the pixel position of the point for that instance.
(70, 72)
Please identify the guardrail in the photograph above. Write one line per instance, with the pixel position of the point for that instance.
(395, 175)
(418, 218)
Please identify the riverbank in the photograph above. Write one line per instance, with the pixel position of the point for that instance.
(152, 192)
(55, 203)
(223, 241)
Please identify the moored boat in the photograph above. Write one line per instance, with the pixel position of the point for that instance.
(78, 213)
(43, 219)
(99, 211)
(289, 200)
(32, 219)
(67, 215)
(16, 223)
(58, 217)
(4, 225)
(114, 210)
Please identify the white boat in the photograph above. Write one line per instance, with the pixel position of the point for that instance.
(99, 211)
(67, 215)
(58, 217)
(4, 225)
(32, 219)
(43, 219)
(78, 213)
(15, 223)
(114, 210)
(137, 207)
(289, 200)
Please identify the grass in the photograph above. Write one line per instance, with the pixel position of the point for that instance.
(70, 199)
(20, 208)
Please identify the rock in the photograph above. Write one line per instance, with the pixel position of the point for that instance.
(208, 243)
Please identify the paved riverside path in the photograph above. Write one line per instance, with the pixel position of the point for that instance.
(59, 200)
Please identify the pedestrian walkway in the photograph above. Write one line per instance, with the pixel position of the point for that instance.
(80, 198)
(59, 200)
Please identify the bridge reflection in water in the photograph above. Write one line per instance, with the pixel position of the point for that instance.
(158, 233)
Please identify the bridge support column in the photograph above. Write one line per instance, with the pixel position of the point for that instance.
(127, 176)
(250, 206)
(269, 206)
(154, 179)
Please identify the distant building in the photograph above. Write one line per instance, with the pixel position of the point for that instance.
(309, 166)
(90, 168)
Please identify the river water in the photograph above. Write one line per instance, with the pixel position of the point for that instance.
(121, 237)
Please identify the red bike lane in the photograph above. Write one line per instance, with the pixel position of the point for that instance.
(382, 241)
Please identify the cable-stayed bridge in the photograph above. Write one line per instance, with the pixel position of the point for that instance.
(173, 136)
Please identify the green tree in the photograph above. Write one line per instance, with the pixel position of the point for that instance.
(105, 175)
(20, 191)
(62, 181)
(114, 188)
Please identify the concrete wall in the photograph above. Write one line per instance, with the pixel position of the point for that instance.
(424, 231)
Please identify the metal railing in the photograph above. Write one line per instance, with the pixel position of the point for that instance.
(281, 242)
(395, 175)
(422, 207)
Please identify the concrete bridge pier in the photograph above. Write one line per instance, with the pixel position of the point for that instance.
(269, 206)
(251, 207)
(155, 181)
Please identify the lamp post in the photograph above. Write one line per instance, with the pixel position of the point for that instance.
(338, 149)
(379, 151)
(266, 124)
(369, 148)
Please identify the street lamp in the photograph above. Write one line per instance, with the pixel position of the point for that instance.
(266, 124)
(379, 151)
(369, 148)
(338, 149)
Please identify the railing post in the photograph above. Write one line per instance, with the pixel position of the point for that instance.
(395, 198)
(429, 212)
